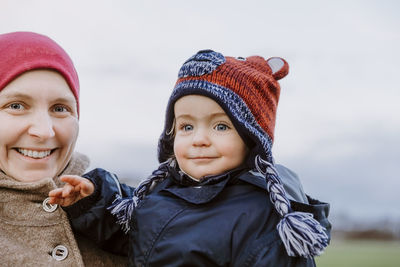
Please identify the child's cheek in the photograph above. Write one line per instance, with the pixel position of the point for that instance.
(179, 148)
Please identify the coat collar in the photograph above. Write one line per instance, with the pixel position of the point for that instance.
(204, 191)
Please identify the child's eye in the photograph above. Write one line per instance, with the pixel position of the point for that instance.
(187, 127)
(221, 127)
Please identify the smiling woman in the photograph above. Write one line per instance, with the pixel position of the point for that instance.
(39, 111)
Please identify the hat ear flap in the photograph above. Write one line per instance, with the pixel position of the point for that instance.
(279, 67)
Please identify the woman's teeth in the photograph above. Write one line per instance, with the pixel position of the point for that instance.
(34, 154)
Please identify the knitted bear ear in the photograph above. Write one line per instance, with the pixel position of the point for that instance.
(279, 67)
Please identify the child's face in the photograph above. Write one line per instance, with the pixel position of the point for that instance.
(38, 126)
(206, 142)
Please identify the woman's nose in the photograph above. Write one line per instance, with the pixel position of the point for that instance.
(201, 138)
(41, 126)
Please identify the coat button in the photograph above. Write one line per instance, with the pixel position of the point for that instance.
(59, 253)
(49, 207)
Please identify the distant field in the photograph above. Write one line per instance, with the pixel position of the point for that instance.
(361, 254)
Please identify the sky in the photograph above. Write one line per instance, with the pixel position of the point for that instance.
(338, 120)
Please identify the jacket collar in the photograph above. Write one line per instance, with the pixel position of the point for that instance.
(200, 192)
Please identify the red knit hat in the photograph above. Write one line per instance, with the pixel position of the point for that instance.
(24, 51)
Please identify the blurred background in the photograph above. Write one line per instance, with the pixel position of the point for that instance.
(338, 122)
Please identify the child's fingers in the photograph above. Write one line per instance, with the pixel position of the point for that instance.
(56, 192)
(54, 200)
(83, 185)
(72, 179)
(68, 190)
(87, 188)
(74, 189)
(57, 200)
(55, 196)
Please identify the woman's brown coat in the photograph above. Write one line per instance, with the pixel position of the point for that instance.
(29, 235)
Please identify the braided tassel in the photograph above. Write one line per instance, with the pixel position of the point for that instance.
(122, 208)
(301, 234)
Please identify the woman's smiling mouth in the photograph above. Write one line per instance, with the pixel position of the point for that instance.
(36, 154)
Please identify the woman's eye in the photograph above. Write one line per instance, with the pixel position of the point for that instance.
(221, 127)
(60, 108)
(16, 106)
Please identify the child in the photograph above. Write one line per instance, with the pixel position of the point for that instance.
(216, 198)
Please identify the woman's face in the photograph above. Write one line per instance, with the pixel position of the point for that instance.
(38, 126)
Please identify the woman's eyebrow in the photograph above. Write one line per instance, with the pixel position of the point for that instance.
(65, 99)
(28, 97)
(15, 95)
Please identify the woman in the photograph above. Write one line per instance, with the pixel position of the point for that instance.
(39, 111)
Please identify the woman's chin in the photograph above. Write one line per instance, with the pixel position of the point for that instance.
(33, 175)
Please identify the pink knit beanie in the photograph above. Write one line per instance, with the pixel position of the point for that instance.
(24, 51)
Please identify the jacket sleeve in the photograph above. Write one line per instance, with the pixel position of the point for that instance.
(269, 249)
(91, 218)
(275, 254)
(292, 184)
(319, 210)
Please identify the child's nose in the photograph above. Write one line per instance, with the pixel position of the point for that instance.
(201, 138)
(41, 126)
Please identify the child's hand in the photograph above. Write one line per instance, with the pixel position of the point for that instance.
(75, 189)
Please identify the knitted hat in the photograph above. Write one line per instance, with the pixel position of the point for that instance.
(24, 51)
(248, 91)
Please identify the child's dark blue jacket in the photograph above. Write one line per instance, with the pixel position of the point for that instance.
(225, 222)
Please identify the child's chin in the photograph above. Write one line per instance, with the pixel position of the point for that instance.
(202, 176)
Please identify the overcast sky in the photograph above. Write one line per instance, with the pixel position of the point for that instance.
(338, 122)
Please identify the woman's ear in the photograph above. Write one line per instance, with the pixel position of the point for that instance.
(279, 67)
